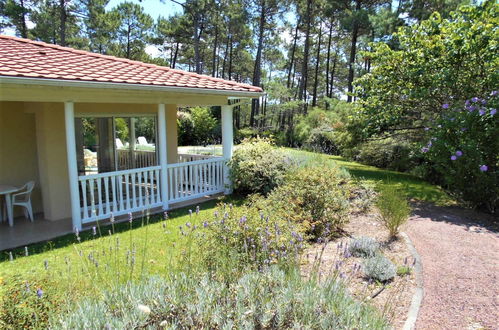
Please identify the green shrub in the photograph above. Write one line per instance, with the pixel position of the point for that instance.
(245, 133)
(257, 167)
(404, 270)
(387, 153)
(321, 140)
(364, 247)
(315, 197)
(379, 268)
(393, 207)
(270, 299)
(244, 237)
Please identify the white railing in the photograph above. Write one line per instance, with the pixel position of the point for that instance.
(139, 189)
(119, 192)
(184, 158)
(195, 179)
(140, 158)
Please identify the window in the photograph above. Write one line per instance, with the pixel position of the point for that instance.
(107, 144)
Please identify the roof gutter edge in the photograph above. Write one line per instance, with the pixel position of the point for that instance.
(109, 85)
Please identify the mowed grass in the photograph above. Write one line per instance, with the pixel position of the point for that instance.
(104, 260)
(414, 187)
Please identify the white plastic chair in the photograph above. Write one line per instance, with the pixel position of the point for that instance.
(142, 141)
(23, 199)
(119, 144)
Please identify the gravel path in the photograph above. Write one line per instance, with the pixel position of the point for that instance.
(460, 255)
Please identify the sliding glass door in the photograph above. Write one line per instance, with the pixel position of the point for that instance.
(108, 144)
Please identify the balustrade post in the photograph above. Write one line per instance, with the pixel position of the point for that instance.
(72, 165)
(227, 144)
(162, 147)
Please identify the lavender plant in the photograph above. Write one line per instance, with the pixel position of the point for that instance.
(272, 299)
(364, 247)
(379, 268)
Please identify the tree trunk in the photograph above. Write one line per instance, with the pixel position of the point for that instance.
(302, 94)
(175, 55)
(24, 29)
(353, 51)
(225, 57)
(214, 61)
(257, 72)
(128, 42)
(333, 71)
(197, 34)
(328, 60)
(317, 61)
(62, 27)
(292, 60)
(229, 73)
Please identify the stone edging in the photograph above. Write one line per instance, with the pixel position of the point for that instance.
(417, 298)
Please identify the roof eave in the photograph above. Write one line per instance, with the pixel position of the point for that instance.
(110, 85)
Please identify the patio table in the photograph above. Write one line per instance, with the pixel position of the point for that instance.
(7, 191)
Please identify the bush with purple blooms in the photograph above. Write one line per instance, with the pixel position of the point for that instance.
(238, 238)
(463, 148)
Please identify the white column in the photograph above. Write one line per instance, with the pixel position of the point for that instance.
(72, 164)
(163, 148)
(227, 143)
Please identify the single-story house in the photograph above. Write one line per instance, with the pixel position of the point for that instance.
(73, 122)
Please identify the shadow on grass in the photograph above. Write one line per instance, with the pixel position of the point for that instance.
(87, 235)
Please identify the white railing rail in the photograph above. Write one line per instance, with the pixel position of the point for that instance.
(139, 189)
(119, 192)
(184, 158)
(195, 179)
(138, 158)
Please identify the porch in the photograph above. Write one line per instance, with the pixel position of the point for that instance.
(26, 232)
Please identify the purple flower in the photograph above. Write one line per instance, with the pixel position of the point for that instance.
(481, 112)
(94, 230)
(493, 112)
(190, 213)
(197, 209)
(484, 168)
(445, 106)
(130, 217)
(475, 99)
(426, 128)
(463, 129)
(459, 153)
(39, 293)
(165, 215)
(425, 149)
(205, 224)
(471, 108)
(453, 157)
(494, 93)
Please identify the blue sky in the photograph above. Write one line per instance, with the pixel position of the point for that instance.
(155, 8)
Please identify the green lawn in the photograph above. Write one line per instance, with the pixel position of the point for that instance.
(415, 188)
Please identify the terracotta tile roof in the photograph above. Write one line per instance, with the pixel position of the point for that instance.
(27, 58)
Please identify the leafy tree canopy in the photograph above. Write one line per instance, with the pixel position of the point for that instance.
(438, 61)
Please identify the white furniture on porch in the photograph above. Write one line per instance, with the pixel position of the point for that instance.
(22, 198)
(7, 191)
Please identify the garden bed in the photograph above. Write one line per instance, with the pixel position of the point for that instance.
(395, 299)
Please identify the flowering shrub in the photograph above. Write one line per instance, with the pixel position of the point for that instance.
(463, 147)
(242, 237)
(315, 197)
(270, 299)
(257, 166)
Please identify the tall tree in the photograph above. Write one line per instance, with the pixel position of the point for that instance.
(134, 30)
(15, 15)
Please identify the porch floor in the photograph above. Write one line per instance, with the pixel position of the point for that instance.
(25, 232)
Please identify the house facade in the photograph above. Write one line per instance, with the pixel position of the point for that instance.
(98, 134)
